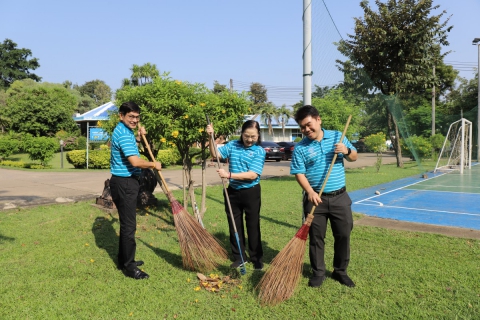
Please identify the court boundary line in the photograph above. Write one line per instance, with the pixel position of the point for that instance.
(428, 210)
(400, 188)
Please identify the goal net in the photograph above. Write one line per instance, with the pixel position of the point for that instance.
(456, 151)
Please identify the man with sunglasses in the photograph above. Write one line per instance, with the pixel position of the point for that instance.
(125, 166)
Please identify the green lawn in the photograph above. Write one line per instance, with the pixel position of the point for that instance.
(57, 262)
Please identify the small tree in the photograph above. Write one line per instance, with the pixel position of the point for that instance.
(377, 143)
(41, 148)
(173, 114)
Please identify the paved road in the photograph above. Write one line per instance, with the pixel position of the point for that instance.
(27, 188)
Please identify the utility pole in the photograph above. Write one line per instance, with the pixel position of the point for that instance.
(231, 85)
(307, 52)
(476, 42)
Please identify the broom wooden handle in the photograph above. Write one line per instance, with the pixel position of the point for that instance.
(331, 165)
(164, 184)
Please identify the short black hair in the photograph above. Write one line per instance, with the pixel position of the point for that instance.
(129, 106)
(251, 124)
(306, 111)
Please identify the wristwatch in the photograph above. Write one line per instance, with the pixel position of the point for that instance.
(349, 151)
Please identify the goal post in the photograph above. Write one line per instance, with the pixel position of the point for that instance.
(456, 153)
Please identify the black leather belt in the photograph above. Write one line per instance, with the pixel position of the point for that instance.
(334, 193)
(130, 177)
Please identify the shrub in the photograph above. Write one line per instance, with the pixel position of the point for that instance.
(81, 143)
(97, 159)
(437, 141)
(8, 146)
(41, 148)
(69, 140)
(376, 142)
(417, 146)
(168, 157)
(297, 139)
(9, 163)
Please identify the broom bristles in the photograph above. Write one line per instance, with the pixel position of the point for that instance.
(279, 282)
(281, 279)
(200, 250)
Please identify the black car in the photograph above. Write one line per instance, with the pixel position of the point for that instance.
(273, 150)
(360, 146)
(289, 146)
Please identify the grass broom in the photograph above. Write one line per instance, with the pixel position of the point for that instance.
(243, 269)
(200, 250)
(281, 279)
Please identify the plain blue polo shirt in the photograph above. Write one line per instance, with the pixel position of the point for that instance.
(243, 159)
(123, 146)
(313, 158)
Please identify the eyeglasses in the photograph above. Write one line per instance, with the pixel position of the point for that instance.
(247, 137)
(130, 117)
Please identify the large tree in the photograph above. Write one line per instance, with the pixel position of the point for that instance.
(42, 109)
(15, 64)
(98, 90)
(258, 96)
(396, 48)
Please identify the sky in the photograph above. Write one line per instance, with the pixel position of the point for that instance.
(204, 41)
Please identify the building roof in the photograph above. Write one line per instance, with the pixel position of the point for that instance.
(291, 123)
(99, 113)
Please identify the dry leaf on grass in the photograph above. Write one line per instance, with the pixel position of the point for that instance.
(214, 283)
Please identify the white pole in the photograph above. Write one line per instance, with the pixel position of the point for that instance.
(462, 147)
(470, 146)
(478, 107)
(88, 131)
(307, 52)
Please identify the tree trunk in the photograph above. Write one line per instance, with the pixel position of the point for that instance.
(393, 127)
(204, 188)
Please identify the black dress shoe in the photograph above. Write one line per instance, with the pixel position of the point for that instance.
(316, 281)
(136, 274)
(343, 279)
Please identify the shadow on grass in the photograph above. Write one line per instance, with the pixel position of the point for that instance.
(174, 260)
(282, 223)
(106, 237)
(162, 206)
(5, 238)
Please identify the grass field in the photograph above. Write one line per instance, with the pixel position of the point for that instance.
(58, 262)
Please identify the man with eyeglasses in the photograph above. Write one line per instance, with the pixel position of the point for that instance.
(125, 166)
(310, 164)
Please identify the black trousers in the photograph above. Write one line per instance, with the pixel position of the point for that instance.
(338, 210)
(246, 201)
(124, 195)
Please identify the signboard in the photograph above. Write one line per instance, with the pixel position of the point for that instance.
(98, 134)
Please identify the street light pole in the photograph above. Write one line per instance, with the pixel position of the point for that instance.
(61, 154)
(476, 41)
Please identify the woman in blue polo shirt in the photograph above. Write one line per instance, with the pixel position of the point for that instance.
(246, 159)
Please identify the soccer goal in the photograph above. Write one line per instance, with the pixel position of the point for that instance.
(456, 152)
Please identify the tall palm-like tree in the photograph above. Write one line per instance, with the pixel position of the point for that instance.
(143, 74)
(268, 112)
(283, 114)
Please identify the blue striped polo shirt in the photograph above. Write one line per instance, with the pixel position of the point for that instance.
(123, 146)
(313, 158)
(243, 159)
